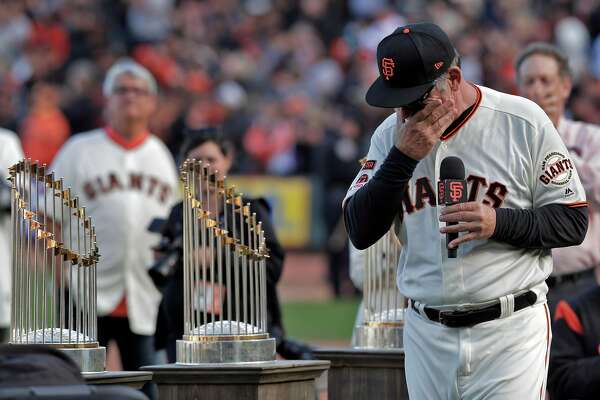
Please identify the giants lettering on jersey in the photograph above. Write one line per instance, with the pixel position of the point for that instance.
(425, 193)
(557, 169)
(147, 184)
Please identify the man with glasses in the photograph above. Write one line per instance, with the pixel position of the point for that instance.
(544, 76)
(477, 325)
(125, 177)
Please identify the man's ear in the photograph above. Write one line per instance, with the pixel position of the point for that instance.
(455, 78)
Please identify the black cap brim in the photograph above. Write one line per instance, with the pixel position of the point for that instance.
(382, 95)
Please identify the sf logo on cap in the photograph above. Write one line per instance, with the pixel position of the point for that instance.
(387, 67)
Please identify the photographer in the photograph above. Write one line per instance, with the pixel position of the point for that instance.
(10, 153)
(208, 145)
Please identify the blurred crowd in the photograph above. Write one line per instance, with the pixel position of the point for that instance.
(285, 78)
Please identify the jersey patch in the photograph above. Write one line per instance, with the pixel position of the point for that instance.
(557, 169)
(360, 182)
(369, 164)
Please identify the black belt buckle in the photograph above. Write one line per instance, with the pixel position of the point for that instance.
(453, 319)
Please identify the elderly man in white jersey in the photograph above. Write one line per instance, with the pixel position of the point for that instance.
(10, 153)
(126, 177)
(478, 325)
(543, 75)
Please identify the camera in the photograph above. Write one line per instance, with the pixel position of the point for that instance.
(167, 263)
(170, 250)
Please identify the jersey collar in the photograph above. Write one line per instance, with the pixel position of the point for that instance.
(463, 118)
(127, 144)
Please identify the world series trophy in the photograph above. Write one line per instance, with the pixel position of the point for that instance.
(224, 264)
(383, 305)
(53, 267)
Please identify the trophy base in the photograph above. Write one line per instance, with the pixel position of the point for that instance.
(200, 350)
(379, 336)
(92, 359)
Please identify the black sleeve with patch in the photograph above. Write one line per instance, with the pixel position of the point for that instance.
(369, 213)
(550, 226)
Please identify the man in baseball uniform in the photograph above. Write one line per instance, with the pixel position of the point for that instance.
(543, 75)
(477, 326)
(10, 153)
(126, 177)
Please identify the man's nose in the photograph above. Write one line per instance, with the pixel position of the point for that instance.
(538, 90)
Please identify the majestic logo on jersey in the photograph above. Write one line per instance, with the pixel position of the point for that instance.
(438, 65)
(147, 184)
(425, 193)
(568, 192)
(557, 169)
(387, 67)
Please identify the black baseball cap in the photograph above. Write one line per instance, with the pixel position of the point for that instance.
(409, 60)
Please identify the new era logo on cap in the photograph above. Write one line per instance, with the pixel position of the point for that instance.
(409, 60)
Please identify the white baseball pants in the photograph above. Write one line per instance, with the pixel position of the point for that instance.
(503, 359)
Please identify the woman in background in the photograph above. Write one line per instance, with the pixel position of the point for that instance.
(210, 146)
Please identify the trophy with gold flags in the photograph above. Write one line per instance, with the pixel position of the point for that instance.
(383, 305)
(224, 266)
(53, 267)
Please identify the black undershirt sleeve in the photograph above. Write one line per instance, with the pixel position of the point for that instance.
(550, 226)
(369, 213)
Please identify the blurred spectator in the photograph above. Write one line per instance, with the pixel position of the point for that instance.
(544, 77)
(341, 154)
(45, 128)
(574, 369)
(10, 153)
(81, 101)
(126, 178)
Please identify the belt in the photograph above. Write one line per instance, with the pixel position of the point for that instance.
(552, 281)
(464, 318)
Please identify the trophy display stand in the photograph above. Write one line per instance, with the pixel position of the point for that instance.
(374, 366)
(53, 280)
(226, 351)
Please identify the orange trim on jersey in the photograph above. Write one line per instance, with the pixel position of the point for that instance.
(564, 311)
(547, 313)
(448, 135)
(124, 142)
(121, 309)
(577, 204)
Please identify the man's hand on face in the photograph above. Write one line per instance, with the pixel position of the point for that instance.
(421, 131)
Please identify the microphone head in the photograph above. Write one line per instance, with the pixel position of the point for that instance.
(452, 168)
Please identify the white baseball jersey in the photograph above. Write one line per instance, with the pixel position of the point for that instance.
(10, 153)
(513, 158)
(123, 190)
(583, 142)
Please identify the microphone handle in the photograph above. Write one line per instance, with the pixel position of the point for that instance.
(450, 237)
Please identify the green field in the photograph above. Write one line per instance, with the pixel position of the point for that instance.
(314, 321)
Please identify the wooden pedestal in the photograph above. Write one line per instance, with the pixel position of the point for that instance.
(133, 379)
(268, 380)
(365, 374)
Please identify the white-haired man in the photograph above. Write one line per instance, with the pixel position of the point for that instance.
(126, 177)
